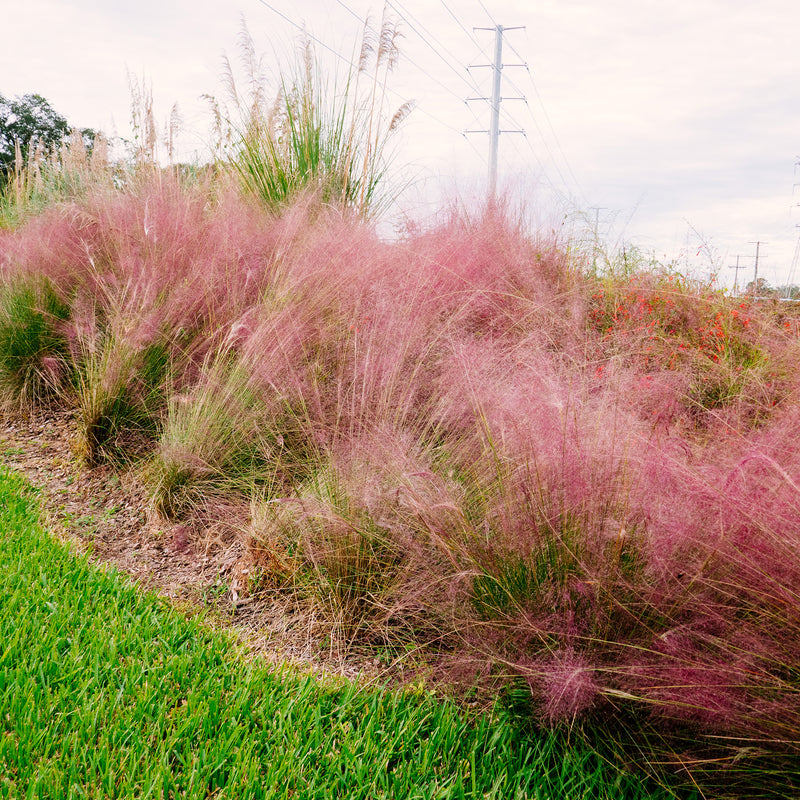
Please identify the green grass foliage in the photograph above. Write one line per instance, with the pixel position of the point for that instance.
(315, 137)
(33, 350)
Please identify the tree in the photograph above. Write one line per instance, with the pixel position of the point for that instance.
(760, 288)
(29, 120)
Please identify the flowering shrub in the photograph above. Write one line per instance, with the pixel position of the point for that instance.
(660, 322)
(726, 353)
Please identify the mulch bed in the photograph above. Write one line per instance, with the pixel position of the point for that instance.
(106, 512)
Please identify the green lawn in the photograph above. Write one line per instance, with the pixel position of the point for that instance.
(106, 692)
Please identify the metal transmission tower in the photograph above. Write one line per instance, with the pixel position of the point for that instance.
(494, 101)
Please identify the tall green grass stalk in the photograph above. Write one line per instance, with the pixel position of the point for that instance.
(120, 394)
(215, 439)
(315, 137)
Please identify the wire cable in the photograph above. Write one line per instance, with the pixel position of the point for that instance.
(306, 32)
(480, 3)
(311, 36)
(474, 41)
(407, 58)
(437, 49)
(574, 180)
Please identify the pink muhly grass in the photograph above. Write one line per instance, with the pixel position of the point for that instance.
(50, 245)
(160, 245)
(554, 536)
(598, 535)
(344, 337)
(371, 524)
(567, 684)
(486, 277)
(166, 246)
(725, 547)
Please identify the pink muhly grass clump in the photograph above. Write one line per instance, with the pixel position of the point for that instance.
(367, 525)
(568, 686)
(522, 408)
(439, 432)
(552, 535)
(160, 245)
(667, 573)
(486, 277)
(724, 545)
(166, 247)
(344, 338)
(155, 264)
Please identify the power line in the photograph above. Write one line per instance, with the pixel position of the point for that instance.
(427, 37)
(555, 135)
(407, 58)
(552, 155)
(575, 181)
(350, 10)
(303, 30)
(515, 51)
(436, 49)
(735, 275)
(755, 265)
(487, 13)
(404, 15)
(464, 28)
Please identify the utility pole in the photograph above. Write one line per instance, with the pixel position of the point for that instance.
(495, 100)
(796, 257)
(755, 276)
(735, 275)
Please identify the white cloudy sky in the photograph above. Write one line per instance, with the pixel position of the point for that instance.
(679, 121)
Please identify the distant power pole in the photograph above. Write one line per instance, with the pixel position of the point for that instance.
(494, 101)
(735, 275)
(755, 275)
(796, 257)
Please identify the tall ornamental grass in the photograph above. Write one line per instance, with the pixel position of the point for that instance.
(42, 177)
(81, 166)
(314, 136)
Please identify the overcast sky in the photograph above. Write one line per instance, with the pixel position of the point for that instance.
(675, 125)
